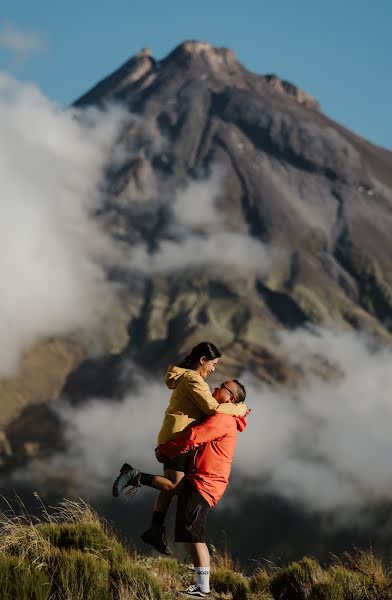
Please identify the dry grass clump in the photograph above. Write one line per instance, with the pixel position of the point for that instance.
(20, 537)
(295, 582)
(133, 582)
(74, 511)
(226, 581)
(260, 581)
(172, 574)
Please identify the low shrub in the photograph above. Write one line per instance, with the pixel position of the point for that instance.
(295, 581)
(226, 581)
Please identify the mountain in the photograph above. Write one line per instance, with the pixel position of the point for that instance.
(295, 231)
(292, 179)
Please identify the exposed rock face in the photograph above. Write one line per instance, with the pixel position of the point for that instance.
(293, 179)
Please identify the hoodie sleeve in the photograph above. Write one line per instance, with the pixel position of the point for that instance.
(202, 397)
(212, 428)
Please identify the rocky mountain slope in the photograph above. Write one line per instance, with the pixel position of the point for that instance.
(292, 180)
(299, 230)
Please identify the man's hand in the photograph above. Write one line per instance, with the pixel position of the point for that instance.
(159, 456)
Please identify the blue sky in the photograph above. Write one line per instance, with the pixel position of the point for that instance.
(338, 51)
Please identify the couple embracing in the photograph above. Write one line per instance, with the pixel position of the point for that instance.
(196, 445)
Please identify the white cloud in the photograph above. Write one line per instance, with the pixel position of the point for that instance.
(21, 44)
(202, 239)
(325, 446)
(211, 253)
(52, 251)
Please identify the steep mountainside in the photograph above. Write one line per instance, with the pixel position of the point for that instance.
(305, 215)
(292, 179)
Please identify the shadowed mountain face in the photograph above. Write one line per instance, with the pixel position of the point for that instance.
(292, 179)
(295, 230)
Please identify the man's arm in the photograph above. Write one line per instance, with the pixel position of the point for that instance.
(202, 397)
(210, 429)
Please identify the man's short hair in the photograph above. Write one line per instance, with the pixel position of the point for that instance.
(240, 392)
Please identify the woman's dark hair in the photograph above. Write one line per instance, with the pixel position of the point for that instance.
(206, 349)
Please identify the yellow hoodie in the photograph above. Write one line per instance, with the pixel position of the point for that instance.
(191, 401)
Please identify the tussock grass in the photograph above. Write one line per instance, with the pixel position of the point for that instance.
(226, 581)
(259, 581)
(134, 582)
(70, 554)
(20, 537)
(295, 582)
(172, 574)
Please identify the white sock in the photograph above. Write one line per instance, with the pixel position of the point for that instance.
(203, 578)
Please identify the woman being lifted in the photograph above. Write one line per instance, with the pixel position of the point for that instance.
(190, 402)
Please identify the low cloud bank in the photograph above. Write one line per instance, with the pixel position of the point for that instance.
(325, 446)
(52, 251)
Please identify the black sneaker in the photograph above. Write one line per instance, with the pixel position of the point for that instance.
(196, 592)
(128, 477)
(156, 537)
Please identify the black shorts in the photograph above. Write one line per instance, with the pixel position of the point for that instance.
(178, 463)
(191, 516)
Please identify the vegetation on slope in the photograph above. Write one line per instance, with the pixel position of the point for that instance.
(72, 555)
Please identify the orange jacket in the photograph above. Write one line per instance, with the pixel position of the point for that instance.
(213, 442)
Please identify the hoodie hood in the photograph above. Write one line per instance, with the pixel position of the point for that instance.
(173, 376)
(241, 423)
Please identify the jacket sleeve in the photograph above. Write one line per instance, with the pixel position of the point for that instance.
(210, 429)
(202, 397)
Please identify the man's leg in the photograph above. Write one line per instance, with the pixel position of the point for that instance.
(191, 519)
(201, 561)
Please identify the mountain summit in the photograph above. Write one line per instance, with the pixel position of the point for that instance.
(192, 60)
(293, 180)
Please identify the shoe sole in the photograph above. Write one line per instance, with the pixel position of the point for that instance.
(185, 593)
(124, 468)
(168, 552)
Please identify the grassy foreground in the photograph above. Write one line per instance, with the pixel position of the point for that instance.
(72, 555)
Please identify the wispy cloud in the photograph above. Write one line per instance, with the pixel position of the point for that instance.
(21, 45)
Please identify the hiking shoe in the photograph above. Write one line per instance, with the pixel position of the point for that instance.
(195, 591)
(128, 477)
(156, 537)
